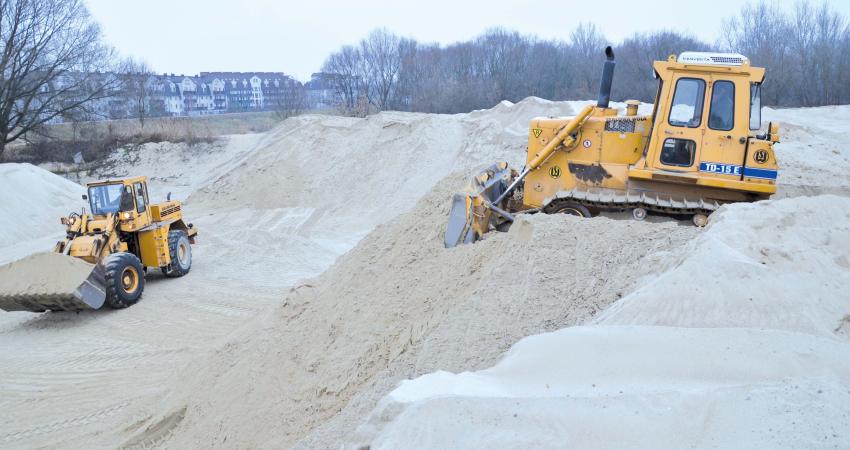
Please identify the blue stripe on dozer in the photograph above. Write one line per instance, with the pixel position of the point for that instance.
(734, 169)
(768, 174)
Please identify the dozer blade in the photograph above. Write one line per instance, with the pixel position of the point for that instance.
(51, 282)
(485, 189)
(459, 228)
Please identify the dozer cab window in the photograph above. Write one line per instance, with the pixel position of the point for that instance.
(686, 110)
(140, 197)
(105, 199)
(678, 152)
(755, 106)
(721, 116)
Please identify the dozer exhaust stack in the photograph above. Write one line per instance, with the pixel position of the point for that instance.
(51, 282)
(607, 79)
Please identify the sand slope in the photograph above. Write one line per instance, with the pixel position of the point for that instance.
(31, 202)
(737, 343)
(400, 304)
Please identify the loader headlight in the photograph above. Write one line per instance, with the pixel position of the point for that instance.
(126, 216)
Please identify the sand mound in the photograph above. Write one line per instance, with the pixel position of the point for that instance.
(812, 155)
(397, 305)
(31, 202)
(737, 343)
(178, 168)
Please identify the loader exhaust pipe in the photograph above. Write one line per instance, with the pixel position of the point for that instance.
(607, 78)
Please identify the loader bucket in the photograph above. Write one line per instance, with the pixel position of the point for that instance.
(51, 282)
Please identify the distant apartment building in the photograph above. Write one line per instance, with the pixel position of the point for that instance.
(220, 92)
(210, 93)
(320, 92)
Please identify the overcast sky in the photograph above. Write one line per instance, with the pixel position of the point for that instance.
(189, 36)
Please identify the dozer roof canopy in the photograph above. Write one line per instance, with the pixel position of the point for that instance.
(710, 63)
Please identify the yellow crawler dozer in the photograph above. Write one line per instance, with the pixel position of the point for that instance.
(105, 254)
(699, 149)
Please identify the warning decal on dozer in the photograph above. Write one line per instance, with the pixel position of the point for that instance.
(537, 132)
(555, 172)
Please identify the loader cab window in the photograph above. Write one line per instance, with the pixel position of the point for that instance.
(688, 100)
(721, 116)
(755, 106)
(140, 197)
(107, 198)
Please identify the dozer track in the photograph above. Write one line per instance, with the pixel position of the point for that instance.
(614, 199)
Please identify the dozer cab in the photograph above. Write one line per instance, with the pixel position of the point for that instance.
(105, 254)
(699, 149)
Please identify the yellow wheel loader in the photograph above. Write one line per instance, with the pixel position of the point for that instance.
(105, 254)
(699, 149)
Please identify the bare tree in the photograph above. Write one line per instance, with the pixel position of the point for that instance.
(635, 56)
(586, 41)
(803, 48)
(381, 52)
(137, 86)
(292, 101)
(51, 54)
(817, 34)
(761, 31)
(345, 74)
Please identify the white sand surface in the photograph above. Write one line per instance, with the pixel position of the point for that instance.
(31, 202)
(736, 343)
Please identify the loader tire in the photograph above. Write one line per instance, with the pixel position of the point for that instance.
(573, 209)
(180, 250)
(125, 280)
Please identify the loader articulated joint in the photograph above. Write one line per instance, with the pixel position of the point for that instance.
(607, 78)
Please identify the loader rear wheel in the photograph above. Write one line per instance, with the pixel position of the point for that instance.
(573, 209)
(125, 280)
(180, 250)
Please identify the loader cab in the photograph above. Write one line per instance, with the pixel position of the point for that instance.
(707, 114)
(127, 198)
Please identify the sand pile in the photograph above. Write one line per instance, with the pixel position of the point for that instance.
(309, 190)
(812, 156)
(31, 202)
(737, 342)
(398, 305)
(178, 168)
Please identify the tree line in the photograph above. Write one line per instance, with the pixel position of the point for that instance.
(803, 48)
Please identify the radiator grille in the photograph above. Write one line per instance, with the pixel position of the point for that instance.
(620, 125)
(167, 211)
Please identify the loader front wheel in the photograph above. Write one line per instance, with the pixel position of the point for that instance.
(180, 250)
(125, 280)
